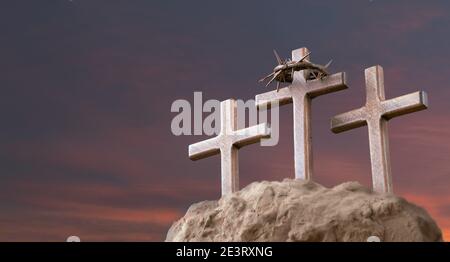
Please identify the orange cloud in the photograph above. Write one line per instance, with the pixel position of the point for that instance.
(434, 205)
(92, 222)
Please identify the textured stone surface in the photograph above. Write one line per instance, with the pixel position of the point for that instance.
(295, 210)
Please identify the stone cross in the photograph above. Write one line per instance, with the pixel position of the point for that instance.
(227, 144)
(300, 93)
(375, 114)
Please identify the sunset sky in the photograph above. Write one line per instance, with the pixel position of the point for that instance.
(87, 85)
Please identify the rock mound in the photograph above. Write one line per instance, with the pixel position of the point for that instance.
(295, 210)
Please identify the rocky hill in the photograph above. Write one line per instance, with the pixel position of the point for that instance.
(295, 210)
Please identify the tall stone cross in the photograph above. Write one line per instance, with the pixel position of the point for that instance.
(227, 144)
(300, 93)
(375, 114)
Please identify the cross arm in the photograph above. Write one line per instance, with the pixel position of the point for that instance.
(349, 120)
(328, 84)
(204, 149)
(283, 96)
(251, 135)
(404, 104)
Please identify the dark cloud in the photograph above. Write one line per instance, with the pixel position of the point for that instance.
(86, 147)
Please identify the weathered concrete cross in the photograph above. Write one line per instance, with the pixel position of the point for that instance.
(227, 144)
(300, 93)
(375, 115)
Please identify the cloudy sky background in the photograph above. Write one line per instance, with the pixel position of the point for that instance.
(85, 141)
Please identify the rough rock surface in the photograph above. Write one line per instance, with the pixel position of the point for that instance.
(294, 210)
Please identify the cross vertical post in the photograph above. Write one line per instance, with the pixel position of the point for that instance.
(375, 114)
(227, 144)
(300, 93)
